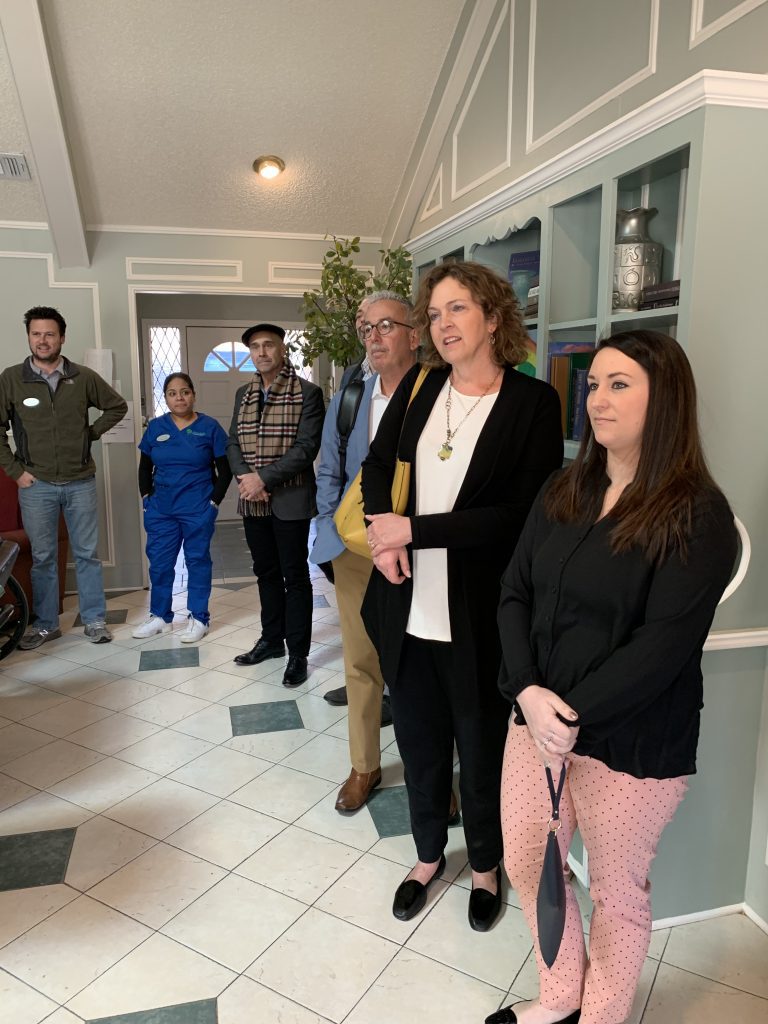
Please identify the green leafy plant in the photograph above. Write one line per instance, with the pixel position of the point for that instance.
(329, 311)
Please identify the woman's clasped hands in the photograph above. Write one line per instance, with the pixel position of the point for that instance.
(544, 712)
(388, 535)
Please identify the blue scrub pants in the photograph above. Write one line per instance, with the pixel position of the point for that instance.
(165, 535)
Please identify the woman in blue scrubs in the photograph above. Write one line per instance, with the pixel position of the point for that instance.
(183, 477)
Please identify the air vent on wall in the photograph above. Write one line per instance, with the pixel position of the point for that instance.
(14, 165)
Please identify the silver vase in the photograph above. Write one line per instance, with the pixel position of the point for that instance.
(636, 260)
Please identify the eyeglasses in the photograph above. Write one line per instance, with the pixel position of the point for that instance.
(384, 327)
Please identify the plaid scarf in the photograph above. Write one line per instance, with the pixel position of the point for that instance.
(267, 433)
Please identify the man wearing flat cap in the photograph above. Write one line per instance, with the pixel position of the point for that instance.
(273, 440)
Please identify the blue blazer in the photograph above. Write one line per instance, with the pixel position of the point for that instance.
(328, 544)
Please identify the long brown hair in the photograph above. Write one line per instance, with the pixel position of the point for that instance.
(492, 294)
(655, 511)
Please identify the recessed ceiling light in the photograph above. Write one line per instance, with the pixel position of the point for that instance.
(268, 166)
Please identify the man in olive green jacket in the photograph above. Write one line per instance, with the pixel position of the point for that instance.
(45, 400)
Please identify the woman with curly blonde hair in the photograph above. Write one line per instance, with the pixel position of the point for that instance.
(481, 439)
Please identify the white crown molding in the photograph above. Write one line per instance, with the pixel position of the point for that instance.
(93, 287)
(434, 203)
(508, 10)
(132, 273)
(716, 88)
(701, 32)
(136, 229)
(25, 225)
(629, 83)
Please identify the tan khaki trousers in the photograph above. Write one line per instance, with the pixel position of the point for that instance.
(365, 685)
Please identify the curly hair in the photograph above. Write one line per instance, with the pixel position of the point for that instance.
(492, 294)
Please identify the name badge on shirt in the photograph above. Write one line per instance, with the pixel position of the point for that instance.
(31, 401)
(163, 437)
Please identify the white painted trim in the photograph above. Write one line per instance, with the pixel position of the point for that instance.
(699, 915)
(755, 918)
(132, 262)
(746, 554)
(700, 33)
(736, 639)
(606, 97)
(580, 868)
(135, 229)
(508, 10)
(437, 187)
(273, 268)
(93, 287)
(25, 225)
(717, 88)
(479, 20)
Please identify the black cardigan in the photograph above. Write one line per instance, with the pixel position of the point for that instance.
(519, 445)
(619, 639)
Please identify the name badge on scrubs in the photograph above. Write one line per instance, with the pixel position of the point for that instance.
(31, 401)
(163, 437)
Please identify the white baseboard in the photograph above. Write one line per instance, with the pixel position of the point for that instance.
(763, 925)
(699, 915)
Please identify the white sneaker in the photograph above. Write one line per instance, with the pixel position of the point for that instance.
(152, 624)
(195, 631)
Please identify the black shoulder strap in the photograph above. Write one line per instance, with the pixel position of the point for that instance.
(349, 403)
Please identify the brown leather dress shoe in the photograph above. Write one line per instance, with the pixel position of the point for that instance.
(356, 790)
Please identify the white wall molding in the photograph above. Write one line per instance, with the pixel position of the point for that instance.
(93, 287)
(434, 203)
(700, 915)
(718, 88)
(755, 918)
(508, 10)
(480, 19)
(736, 639)
(148, 229)
(274, 276)
(133, 270)
(640, 75)
(701, 32)
(24, 225)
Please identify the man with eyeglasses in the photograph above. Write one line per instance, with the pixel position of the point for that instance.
(390, 344)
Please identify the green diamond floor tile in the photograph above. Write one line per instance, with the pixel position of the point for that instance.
(186, 658)
(276, 716)
(389, 809)
(201, 1012)
(34, 858)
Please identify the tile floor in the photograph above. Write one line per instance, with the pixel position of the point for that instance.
(169, 854)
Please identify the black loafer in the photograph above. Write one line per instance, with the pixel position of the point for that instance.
(338, 697)
(386, 711)
(295, 671)
(262, 650)
(484, 906)
(411, 896)
(506, 1015)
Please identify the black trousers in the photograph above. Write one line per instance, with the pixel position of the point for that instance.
(430, 710)
(279, 549)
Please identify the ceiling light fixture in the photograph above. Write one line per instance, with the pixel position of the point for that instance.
(268, 166)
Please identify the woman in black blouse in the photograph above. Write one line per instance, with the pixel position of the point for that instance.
(604, 611)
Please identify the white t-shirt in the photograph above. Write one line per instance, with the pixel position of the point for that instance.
(437, 486)
(379, 403)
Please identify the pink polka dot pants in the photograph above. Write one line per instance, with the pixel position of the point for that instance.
(620, 819)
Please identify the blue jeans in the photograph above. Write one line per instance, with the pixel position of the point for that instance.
(40, 506)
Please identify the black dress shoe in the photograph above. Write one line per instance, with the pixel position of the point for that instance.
(484, 906)
(506, 1015)
(262, 650)
(337, 697)
(386, 711)
(295, 671)
(410, 896)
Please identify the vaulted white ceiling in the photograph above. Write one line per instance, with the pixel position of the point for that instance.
(165, 105)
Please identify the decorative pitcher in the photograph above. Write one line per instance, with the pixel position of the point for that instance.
(636, 260)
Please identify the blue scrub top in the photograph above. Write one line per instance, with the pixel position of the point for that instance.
(183, 480)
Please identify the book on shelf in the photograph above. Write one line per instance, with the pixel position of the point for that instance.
(663, 290)
(659, 303)
(529, 261)
(568, 376)
(532, 302)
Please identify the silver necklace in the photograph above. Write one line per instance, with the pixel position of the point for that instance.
(446, 449)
